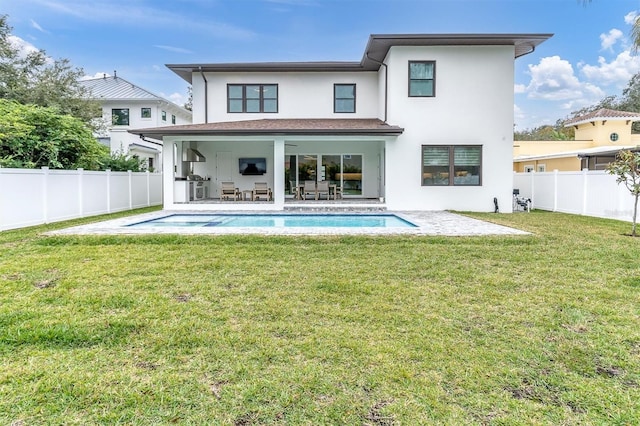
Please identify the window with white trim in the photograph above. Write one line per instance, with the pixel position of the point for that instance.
(120, 116)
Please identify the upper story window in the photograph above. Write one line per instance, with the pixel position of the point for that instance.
(145, 112)
(164, 115)
(344, 98)
(445, 165)
(252, 98)
(422, 78)
(173, 119)
(120, 116)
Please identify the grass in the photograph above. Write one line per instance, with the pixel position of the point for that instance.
(243, 330)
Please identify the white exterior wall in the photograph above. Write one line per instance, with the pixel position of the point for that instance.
(300, 95)
(120, 137)
(473, 104)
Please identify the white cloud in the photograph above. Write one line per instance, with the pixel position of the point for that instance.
(24, 47)
(519, 88)
(132, 13)
(607, 41)
(553, 79)
(631, 17)
(176, 98)
(96, 75)
(37, 26)
(616, 73)
(172, 48)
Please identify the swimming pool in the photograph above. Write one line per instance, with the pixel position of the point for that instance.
(266, 220)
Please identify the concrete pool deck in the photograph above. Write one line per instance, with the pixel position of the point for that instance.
(429, 223)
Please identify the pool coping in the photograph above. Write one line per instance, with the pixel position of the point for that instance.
(442, 223)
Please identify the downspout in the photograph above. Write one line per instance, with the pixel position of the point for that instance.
(386, 81)
(533, 49)
(206, 97)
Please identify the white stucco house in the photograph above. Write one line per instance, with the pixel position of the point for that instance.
(421, 122)
(126, 106)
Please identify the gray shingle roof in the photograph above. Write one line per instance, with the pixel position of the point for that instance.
(327, 126)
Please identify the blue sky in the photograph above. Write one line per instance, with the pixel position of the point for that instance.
(588, 57)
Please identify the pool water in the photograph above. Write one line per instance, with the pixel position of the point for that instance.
(279, 221)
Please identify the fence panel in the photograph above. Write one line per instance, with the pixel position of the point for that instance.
(63, 200)
(570, 193)
(94, 193)
(36, 196)
(591, 193)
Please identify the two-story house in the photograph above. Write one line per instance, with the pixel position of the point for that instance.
(422, 122)
(126, 106)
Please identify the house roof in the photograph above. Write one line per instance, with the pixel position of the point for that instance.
(330, 126)
(376, 50)
(117, 88)
(587, 152)
(603, 114)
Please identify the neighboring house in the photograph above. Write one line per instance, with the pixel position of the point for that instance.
(126, 106)
(599, 136)
(423, 122)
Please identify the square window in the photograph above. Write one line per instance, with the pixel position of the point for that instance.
(344, 98)
(422, 77)
(145, 112)
(120, 116)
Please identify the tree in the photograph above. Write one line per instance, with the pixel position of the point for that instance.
(121, 162)
(557, 132)
(189, 104)
(627, 169)
(34, 78)
(32, 136)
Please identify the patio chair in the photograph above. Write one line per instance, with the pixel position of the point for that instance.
(322, 189)
(309, 189)
(294, 190)
(261, 190)
(228, 191)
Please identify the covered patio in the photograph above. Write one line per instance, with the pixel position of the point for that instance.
(347, 155)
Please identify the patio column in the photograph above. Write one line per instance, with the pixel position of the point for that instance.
(278, 173)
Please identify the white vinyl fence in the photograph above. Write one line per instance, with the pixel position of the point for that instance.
(37, 196)
(588, 193)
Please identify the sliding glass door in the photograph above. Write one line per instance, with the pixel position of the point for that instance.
(342, 170)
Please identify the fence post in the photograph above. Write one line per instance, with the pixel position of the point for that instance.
(148, 189)
(108, 171)
(585, 192)
(45, 194)
(80, 192)
(555, 190)
(533, 188)
(130, 173)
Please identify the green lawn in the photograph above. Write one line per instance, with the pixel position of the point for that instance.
(233, 330)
